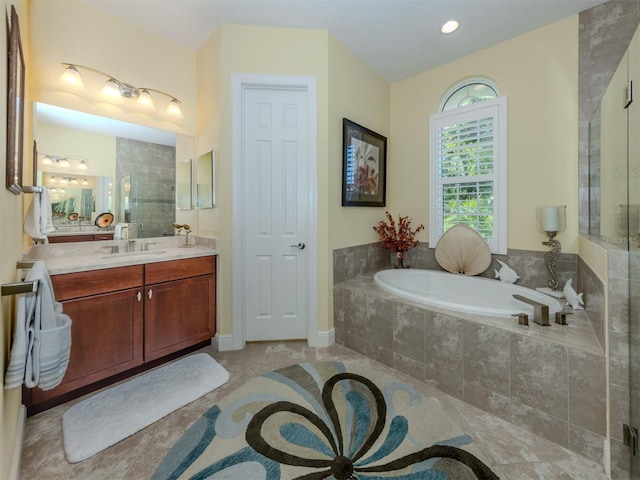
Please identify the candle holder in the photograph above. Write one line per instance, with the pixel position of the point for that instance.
(551, 221)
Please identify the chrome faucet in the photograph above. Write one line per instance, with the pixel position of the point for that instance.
(145, 246)
(132, 246)
(540, 310)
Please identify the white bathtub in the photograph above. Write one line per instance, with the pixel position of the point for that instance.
(462, 293)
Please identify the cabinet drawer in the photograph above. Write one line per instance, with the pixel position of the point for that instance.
(71, 238)
(103, 236)
(177, 269)
(82, 284)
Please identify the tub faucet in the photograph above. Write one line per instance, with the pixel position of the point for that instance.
(540, 310)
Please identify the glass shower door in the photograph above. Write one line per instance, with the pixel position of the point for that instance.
(633, 112)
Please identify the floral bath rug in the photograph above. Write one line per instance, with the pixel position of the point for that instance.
(325, 420)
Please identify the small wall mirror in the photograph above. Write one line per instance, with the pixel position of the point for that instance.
(205, 180)
(183, 185)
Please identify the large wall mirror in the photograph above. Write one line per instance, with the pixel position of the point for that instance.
(92, 165)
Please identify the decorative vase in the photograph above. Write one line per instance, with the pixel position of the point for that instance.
(400, 260)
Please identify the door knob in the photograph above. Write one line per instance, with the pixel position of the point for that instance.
(299, 246)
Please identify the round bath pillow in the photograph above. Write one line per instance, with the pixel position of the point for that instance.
(463, 250)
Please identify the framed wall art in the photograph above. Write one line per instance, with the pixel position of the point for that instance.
(364, 166)
(15, 107)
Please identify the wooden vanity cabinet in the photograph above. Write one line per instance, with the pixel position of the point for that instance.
(126, 317)
(106, 308)
(179, 305)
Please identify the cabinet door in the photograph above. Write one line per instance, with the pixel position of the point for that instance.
(178, 314)
(106, 339)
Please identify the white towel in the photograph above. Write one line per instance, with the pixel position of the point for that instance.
(41, 345)
(39, 220)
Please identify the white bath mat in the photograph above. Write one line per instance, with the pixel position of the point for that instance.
(118, 412)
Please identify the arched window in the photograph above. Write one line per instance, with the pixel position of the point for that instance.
(468, 92)
(468, 163)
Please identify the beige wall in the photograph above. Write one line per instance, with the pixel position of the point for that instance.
(100, 149)
(86, 35)
(208, 124)
(260, 50)
(359, 94)
(538, 72)
(346, 88)
(11, 248)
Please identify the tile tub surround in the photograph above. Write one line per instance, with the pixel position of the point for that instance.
(549, 380)
(350, 262)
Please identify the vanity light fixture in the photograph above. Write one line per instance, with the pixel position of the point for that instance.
(84, 182)
(449, 27)
(47, 160)
(82, 165)
(64, 163)
(116, 90)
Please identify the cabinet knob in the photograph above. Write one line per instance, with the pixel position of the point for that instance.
(139, 296)
(150, 294)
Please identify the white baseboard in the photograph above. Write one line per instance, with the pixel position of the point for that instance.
(17, 448)
(222, 343)
(324, 339)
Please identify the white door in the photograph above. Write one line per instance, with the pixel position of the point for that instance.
(275, 137)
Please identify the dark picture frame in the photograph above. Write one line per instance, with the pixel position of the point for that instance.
(364, 166)
(15, 107)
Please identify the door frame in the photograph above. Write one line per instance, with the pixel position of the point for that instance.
(240, 82)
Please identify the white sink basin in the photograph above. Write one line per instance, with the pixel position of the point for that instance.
(147, 253)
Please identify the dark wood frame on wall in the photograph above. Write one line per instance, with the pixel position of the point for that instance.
(15, 107)
(364, 166)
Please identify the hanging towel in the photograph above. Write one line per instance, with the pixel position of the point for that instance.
(39, 221)
(41, 345)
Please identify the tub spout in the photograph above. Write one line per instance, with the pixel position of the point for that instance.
(540, 310)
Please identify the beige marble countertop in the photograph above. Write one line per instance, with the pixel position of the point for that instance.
(83, 256)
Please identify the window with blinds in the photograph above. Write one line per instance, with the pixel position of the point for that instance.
(468, 171)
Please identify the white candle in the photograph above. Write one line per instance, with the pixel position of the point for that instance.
(550, 219)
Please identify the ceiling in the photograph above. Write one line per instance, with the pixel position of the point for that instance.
(396, 38)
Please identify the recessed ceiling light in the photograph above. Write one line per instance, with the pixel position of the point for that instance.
(449, 27)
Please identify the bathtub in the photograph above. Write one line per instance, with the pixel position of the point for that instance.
(461, 293)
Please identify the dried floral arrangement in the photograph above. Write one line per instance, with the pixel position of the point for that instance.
(397, 237)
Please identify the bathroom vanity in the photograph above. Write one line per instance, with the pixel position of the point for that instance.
(130, 311)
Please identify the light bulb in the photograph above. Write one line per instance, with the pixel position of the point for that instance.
(71, 78)
(173, 109)
(112, 91)
(145, 100)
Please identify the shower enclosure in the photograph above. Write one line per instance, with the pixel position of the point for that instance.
(147, 202)
(614, 218)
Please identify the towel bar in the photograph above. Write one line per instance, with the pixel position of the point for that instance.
(19, 287)
(31, 189)
(24, 264)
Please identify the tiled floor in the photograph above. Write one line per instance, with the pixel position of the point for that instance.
(513, 453)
